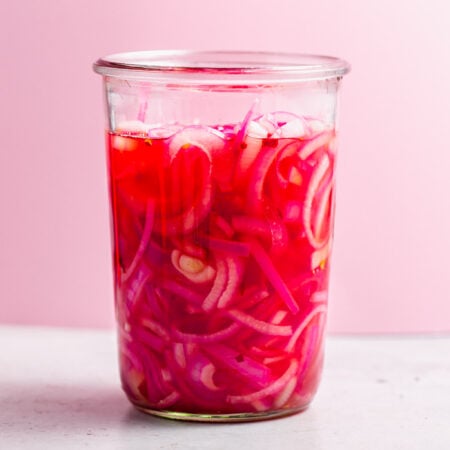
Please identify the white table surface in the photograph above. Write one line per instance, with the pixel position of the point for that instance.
(59, 390)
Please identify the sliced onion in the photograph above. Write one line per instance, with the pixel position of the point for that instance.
(320, 256)
(322, 140)
(278, 317)
(158, 132)
(220, 282)
(155, 328)
(189, 220)
(283, 397)
(272, 389)
(221, 245)
(295, 128)
(258, 177)
(242, 365)
(271, 230)
(179, 354)
(148, 339)
(288, 151)
(256, 130)
(136, 284)
(192, 268)
(250, 149)
(145, 238)
(209, 140)
(273, 276)
(180, 290)
(219, 329)
(245, 125)
(132, 127)
(207, 377)
(235, 272)
(168, 401)
(218, 336)
(320, 309)
(223, 225)
(259, 325)
(316, 178)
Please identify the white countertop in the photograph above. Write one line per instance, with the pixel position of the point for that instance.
(59, 390)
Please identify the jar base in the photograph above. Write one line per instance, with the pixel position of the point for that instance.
(224, 418)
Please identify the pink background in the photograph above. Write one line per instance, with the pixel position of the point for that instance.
(392, 243)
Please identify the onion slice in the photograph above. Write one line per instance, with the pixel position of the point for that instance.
(315, 144)
(272, 389)
(192, 268)
(218, 336)
(320, 309)
(314, 183)
(262, 327)
(273, 276)
(235, 272)
(145, 238)
(220, 283)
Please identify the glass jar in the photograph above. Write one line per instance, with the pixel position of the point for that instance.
(222, 182)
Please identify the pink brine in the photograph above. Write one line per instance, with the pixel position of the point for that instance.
(222, 238)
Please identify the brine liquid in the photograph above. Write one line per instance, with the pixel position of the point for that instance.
(222, 240)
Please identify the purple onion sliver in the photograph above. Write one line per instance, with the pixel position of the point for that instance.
(320, 309)
(218, 336)
(145, 238)
(148, 339)
(319, 172)
(248, 368)
(226, 246)
(243, 129)
(314, 144)
(168, 401)
(235, 272)
(272, 389)
(219, 285)
(273, 276)
(262, 327)
(137, 284)
(180, 290)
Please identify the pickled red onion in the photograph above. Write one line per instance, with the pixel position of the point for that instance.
(243, 128)
(315, 144)
(218, 287)
(272, 389)
(225, 246)
(259, 325)
(235, 272)
(323, 207)
(283, 397)
(255, 372)
(319, 172)
(192, 268)
(168, 401)
(187, 221)
(320, 309)
(182, 291)
(243, 337)
(217, 336)
(273, 276)
(145, 237)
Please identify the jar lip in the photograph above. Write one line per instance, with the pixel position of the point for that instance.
(224, 67)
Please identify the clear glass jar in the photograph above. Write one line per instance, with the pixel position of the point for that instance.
(222, 181)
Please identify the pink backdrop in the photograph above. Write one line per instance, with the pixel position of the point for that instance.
(393, 218)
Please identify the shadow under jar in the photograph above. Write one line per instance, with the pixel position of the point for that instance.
(222, 181)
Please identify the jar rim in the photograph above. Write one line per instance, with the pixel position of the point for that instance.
(221, 67)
